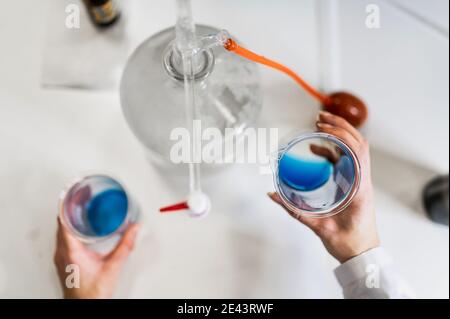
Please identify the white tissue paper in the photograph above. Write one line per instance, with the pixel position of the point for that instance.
(86, 57)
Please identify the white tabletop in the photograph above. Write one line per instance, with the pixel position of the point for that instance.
(247, 247)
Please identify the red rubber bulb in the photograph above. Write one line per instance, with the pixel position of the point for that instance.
(348, 106)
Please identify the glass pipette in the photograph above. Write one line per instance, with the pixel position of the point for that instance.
(198, 203)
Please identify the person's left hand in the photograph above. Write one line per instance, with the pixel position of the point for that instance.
(98, 274)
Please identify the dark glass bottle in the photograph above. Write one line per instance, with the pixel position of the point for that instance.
(103, 13)
(436, 200)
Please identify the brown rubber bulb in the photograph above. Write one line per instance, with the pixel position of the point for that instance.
(348, 106)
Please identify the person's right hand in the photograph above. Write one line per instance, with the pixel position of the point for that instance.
(353, 231)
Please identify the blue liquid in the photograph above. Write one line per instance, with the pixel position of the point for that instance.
(304, 175)
(107, 211)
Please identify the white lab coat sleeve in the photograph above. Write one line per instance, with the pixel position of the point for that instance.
(372, 275)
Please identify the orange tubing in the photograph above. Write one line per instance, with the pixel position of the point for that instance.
(232, 46)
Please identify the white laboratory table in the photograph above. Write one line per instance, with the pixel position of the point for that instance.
(247, 247)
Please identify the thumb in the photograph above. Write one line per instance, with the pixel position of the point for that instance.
(311, 223)
(125, 246)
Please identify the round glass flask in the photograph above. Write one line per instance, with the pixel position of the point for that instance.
(227, 92)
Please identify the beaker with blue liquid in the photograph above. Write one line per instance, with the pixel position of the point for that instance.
(97, 208)
(316, 175)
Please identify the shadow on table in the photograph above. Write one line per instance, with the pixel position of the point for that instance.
(401, 178)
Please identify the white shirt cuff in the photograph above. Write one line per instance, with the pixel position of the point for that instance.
(356, 268)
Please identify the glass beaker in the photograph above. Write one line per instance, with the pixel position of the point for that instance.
(96, 208)
(316, 175)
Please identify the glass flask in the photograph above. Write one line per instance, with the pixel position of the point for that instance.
(316, 175)
(227, 91)
(97, 208)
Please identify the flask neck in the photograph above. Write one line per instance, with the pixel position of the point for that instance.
(173, 63)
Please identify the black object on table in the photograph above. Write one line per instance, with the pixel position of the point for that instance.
(436, 199)
(103, 13)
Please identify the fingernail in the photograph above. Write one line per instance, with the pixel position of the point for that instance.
(136, 228)
(325, 113)
(324, 125)
(134, 233)
(271, 194)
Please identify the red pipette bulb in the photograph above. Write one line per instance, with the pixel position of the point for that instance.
(349, 107)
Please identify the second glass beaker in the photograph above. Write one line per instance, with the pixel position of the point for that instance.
(316, 175)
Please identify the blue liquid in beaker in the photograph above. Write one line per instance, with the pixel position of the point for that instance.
(107, 211)
(304, 174)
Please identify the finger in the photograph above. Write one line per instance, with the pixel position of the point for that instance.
(125, 246)
(65, 238)
(328, 118)
(309, 222)
(324, 152)
(341, 133)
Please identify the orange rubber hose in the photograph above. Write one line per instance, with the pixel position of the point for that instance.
(232, 46)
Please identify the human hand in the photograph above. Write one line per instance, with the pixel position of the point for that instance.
(98, 274)
(353, 231)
